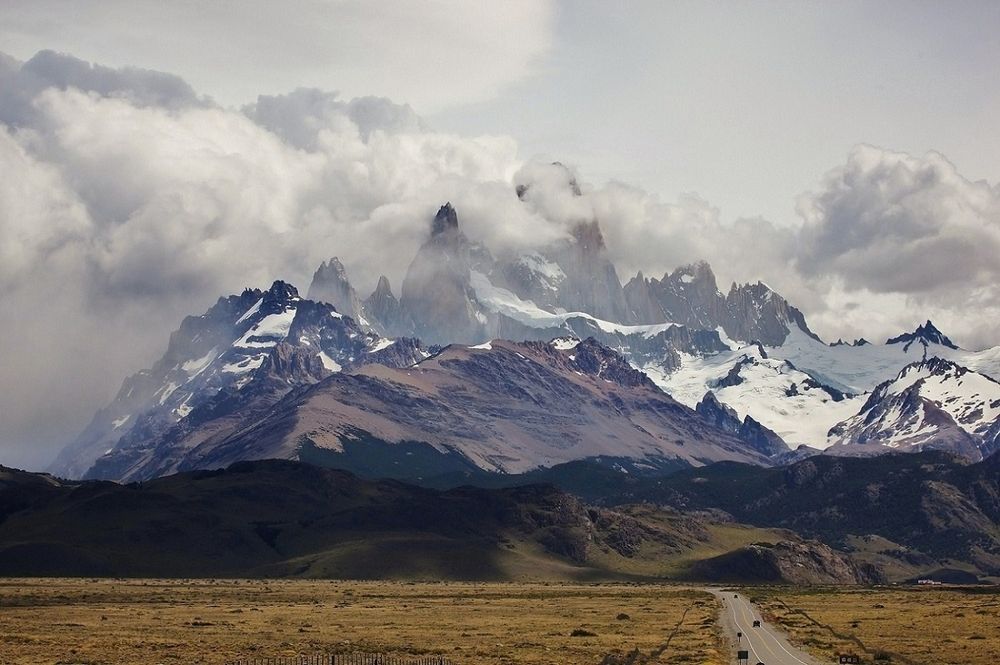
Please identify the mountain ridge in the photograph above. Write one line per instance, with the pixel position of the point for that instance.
(276, 518)
(752, 349)
(500, 406)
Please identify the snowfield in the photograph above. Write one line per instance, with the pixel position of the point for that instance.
(803, 417)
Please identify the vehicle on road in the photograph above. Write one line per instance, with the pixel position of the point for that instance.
(756, 624)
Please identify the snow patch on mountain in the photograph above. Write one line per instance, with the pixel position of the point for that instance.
(272, 329)
(565, 343)
(250, 312)
(770, 390)
(859, 369)
(934, 403)
(381, 344)
(329, 363)
(549, 271)
(247, 364)
(502, 301)
(196, 366)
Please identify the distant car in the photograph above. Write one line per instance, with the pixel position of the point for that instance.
(756, 624)
(736, 595)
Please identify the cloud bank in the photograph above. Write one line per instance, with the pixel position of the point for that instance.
(432, 54)
(129, 200)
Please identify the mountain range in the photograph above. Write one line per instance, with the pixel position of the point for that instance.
(511, 363)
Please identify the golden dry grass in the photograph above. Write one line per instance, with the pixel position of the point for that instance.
(943, 626)
(206, 621)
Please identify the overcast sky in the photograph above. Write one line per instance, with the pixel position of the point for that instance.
(847, 153)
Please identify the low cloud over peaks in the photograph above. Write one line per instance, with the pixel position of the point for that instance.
(302, 116)
(130, 200)
(894, 223)
(22, 82)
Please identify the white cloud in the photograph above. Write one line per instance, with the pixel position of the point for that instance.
(889, 241)
(303, 115)
(892, 238)
(129, 202)
(895, 223)
(120, 215)
(431, 54)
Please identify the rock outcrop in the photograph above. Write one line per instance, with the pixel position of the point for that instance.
(787, 562)
(748, 430)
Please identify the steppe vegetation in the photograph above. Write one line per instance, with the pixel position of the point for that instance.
(945, 626)
(212, 621)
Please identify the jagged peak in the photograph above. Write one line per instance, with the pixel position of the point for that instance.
(861, 341)
(927, 333)
(445, 220)
(282, 291)
(935, 365)
(709, 400)
(638, 280)
(699, 271)
(383, 287)
(757, 289)
(334, 266)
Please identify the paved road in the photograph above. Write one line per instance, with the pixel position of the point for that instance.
(766, 644)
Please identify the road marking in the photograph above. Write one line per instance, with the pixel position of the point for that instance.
(778, 642)
(745, 633)
(747, 608)
(767, 632)
(774, 637)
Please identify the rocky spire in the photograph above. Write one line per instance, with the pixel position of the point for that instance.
(331, 285)
(382, 307)
(445, 220)
(592, 283)
(437, 296)
(690, 296)
(641, 301)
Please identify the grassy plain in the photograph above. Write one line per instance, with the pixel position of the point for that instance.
(68, 621)
(944, 626)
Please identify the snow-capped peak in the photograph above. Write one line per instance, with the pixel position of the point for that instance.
(250, 349)
(924, 334)
(934, 403)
